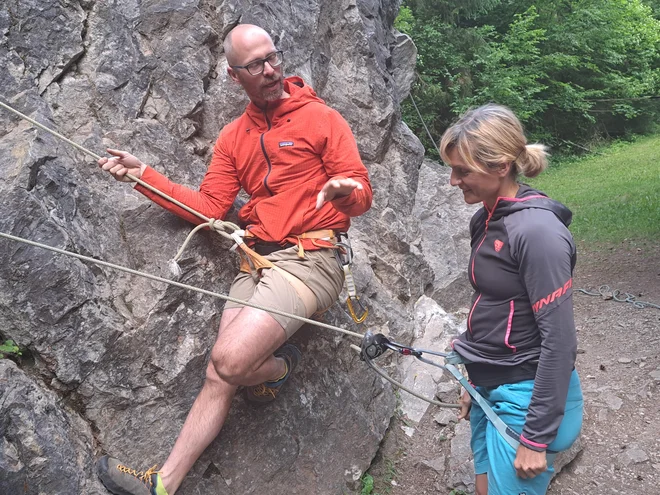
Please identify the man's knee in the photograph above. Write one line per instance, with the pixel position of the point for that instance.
(228, 366)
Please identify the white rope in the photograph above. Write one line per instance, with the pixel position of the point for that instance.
(218, 226)
(179, 284)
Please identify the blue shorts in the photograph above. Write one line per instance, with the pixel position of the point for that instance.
(494, 456)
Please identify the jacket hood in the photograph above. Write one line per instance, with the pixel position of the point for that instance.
(528, 197)
(300, 93)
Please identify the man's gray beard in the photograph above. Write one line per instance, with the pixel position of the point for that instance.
(274, 94)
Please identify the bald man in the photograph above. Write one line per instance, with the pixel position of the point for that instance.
(298, 161)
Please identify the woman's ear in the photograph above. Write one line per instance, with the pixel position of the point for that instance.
(504, 169)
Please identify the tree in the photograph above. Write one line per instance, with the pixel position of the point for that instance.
(573, 70)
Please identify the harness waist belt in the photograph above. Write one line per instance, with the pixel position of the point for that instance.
(266, 248)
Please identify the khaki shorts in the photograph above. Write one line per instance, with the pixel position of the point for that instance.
(319, 271)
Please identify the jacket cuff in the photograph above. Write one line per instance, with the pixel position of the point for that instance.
(146, 176)
(537, 447)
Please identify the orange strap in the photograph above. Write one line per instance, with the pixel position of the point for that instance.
(259, 262)
(326, 235)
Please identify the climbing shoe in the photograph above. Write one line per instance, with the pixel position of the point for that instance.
(122, 480)
(267, 391)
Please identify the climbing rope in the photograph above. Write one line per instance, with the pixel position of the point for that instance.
(606, 293)
(217, 225)
(424, 124)
(229, 298)
(221, 228)
(178, 284)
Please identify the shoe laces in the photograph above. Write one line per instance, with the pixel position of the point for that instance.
(143, 476)
(262, 390)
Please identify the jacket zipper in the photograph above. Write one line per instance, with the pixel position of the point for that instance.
(474, 258)
(263, 150)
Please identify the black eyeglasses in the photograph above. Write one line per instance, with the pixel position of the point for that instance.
(256, 67)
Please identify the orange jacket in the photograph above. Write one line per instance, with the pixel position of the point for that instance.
(282, 158)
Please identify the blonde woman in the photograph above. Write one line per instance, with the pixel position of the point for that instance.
(520, 340)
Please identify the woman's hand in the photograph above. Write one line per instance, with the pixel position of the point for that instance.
(529, 463)
(122, 163)
(465, 401)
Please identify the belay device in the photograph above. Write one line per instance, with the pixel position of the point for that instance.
(375, 345)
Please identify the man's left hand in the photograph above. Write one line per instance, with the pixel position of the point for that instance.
(336, 188)
(529, 463)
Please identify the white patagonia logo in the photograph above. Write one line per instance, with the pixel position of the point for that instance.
(284, 144)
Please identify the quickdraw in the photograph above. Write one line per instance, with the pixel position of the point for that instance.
(344, 255)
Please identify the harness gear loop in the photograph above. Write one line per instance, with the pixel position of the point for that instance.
(325, 235)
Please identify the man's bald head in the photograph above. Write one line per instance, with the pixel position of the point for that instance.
(247, 44)
(242, 40)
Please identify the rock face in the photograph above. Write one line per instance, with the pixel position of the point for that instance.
(112, 362)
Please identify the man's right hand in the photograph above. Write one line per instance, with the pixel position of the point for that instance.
(122, 163)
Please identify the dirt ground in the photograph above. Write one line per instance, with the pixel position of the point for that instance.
(619, 365)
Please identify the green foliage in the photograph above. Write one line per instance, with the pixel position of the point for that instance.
(456, 491)
(613, 195)
(405, 21)
(511, 71)
(9, 348)
(367, 485)
(572, 70)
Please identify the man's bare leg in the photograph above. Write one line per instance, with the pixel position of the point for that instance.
(242, 355)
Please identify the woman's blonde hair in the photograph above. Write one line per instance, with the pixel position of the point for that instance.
(490, 136)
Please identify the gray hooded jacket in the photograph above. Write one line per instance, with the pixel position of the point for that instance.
(521, 324)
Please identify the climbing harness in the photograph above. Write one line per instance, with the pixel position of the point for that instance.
(253, 261)
(229, 230)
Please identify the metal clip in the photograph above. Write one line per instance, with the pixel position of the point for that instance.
(351, 309)
(344, 254)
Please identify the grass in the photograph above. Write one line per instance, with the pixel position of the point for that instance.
(614, 196)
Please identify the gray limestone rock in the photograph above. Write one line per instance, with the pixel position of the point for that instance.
(461, 465)
(633, 454)
(432, 330)
(45, 446)
(112, 362)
